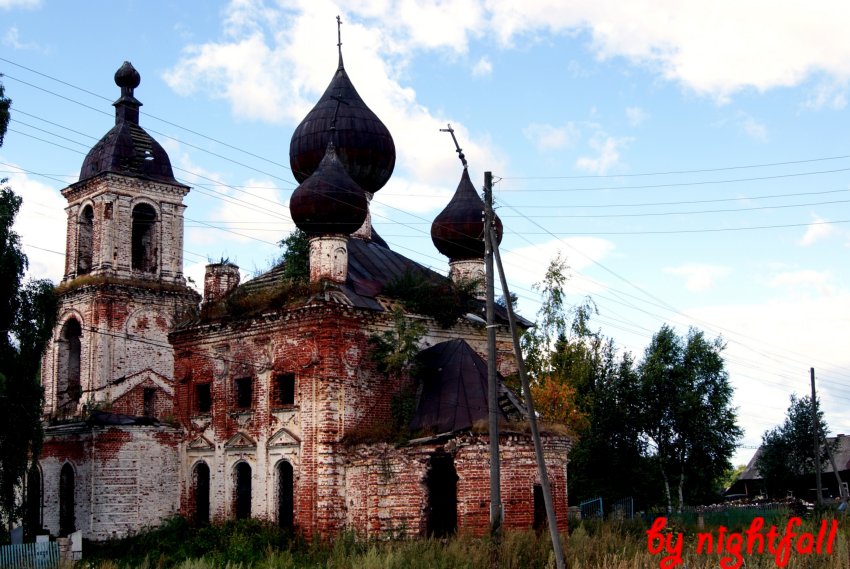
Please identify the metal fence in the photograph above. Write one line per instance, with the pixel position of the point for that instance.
(592, 509)
(43, 555)
(623, 509)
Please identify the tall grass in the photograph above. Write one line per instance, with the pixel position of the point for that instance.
(591, 545)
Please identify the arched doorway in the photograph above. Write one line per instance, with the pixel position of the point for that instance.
(201, 491)
(285, 495)
(67, 521)
(441, 482)
(143, 246)
(243, 491)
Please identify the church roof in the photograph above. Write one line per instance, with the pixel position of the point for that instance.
(127, 148)
(454, 390)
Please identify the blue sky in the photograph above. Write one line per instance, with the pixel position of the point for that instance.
(689, 159)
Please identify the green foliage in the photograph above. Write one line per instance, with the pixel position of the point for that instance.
(5, 104)
(442, 299)
(296, 256)
(787, 452)
(245, 302)
(27, 316)
(394, 351)
(688, 415)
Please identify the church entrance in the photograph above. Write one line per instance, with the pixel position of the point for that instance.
(285, 495)
(67, 523)
(202, 494)
(441, 482)
(243, 491)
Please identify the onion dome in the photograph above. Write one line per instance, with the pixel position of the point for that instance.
(127, 149)
(363, 142)
(458, 231)
(329, 201)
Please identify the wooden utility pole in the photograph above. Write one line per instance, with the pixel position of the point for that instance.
(816, 431)
(492, 381)
(532, 416)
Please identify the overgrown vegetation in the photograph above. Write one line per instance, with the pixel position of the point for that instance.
(27, 315)
(296, 256)
(245, 302)
(99, 280)
(442, 299)
(592, 544)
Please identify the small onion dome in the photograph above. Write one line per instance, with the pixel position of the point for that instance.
(127, 149)
(458, 231)
(329, 201)
(363, 142)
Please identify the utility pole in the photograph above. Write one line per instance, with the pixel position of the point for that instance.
(492, 387)
(816, 431)
(532, 416)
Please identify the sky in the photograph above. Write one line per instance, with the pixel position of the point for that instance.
(688, 159)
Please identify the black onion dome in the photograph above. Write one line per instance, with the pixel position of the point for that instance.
(364, 144)
(458, 231)
(329, 201)
(127, 149)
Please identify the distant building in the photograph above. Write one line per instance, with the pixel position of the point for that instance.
(263, 400)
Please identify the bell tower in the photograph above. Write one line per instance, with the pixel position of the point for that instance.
(123, 285)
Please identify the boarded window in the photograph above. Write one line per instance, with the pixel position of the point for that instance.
(203, 398)
(85, 237)
(144, 250)
(285, 495)
(283, 389)
(201, 480)
(67, 522)
(243, 491)
(441, 482)
(244, 392)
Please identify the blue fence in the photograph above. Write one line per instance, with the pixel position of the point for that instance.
(30, 556)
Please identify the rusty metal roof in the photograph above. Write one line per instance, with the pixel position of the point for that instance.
(454, 390)
(127, 149)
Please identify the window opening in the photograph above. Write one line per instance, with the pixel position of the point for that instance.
(203, 397)
(70, 348)
(202, 494)
(539, 509)
(85, 237)
(149, 395)
(284, 389)
(67, 523)
(441, 482)
(143, 242)
(33, 513)
(285, 495)
(244, 392)
(243, 491)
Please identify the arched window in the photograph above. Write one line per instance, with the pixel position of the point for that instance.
(201, 479)
(285, 495)
(67, 522)
(85, 237)
(144, 250)
(68, 385)
(441, 481)
(243, 491)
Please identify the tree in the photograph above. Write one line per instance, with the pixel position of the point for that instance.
(787, 452)
(688, 417)
(27, 316)
(296, 256)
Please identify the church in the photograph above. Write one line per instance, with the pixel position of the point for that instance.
(270, 398)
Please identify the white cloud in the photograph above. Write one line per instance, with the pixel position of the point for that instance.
(818, 230)
(699, 277)
(607, 150)
(549, 137)
(636, 116)
(41, 222)
(28, 4)
(802, 280)
(753, 128)
(12, 38)
(483, 67)
(527, 265)
(828, 95)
